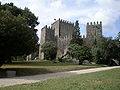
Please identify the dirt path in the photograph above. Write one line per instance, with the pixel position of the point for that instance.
(37, 78)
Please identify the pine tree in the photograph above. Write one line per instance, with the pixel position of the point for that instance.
(76, 37)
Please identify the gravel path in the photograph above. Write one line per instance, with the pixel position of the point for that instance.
(37, 78)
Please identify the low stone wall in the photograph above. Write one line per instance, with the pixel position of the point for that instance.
(10, 73)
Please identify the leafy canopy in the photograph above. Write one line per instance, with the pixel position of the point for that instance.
(17, 35)
(80, 53)
(105, 50)
(50, 50)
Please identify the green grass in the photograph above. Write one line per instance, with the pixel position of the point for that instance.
(104, 80)
(42, 67)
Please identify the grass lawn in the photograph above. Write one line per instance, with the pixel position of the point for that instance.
(42, 67)
(103, 80)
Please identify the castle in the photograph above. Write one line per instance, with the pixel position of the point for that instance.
(60, 32)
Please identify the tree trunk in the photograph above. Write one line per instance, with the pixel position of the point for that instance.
(1, 63)
(80, 62)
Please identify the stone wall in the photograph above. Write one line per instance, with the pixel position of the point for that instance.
(56, 26)
(62, 45)
(66, 29)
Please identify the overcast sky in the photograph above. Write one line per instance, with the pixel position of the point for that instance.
(107, 11)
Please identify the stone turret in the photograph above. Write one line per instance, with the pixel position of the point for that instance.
(63, 34)
(63, 28)
(47, 34)
(94, 31)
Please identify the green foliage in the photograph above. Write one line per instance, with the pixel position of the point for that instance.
(17, 37)
(18, 58)
(80, 53)
(50, 50)
(117, 47)
(59, 59)
(30, 17)
(76, 50)
(105, 50)
(26, 13)
(118, 37)
(76, 37)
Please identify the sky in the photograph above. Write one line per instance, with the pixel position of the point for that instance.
(107, 11)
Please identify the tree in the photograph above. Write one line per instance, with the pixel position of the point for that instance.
(105, 50)
(76, 48)
(80, 53)
(50, 50)
(117, 47)
(76, 37)
(26, 13)
(17, 37)
(101, 51)
(118, 37)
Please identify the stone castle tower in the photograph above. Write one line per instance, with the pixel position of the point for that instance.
(60, 32)
(94, 31)
(47, 34)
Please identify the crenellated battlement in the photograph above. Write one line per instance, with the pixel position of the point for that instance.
(48, 27)
(94, 23)
(47, 33)
(65, 21)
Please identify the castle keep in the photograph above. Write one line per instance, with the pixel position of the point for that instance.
(60, 32)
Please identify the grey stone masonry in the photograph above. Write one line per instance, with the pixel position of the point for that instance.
(60, 32)
(94, 31)
(47, 34)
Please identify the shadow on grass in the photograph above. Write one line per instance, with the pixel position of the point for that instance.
(42, 67)
(47, 63)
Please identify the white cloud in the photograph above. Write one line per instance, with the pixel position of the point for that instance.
(107, 11)
(82, 1)
(56, 4)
